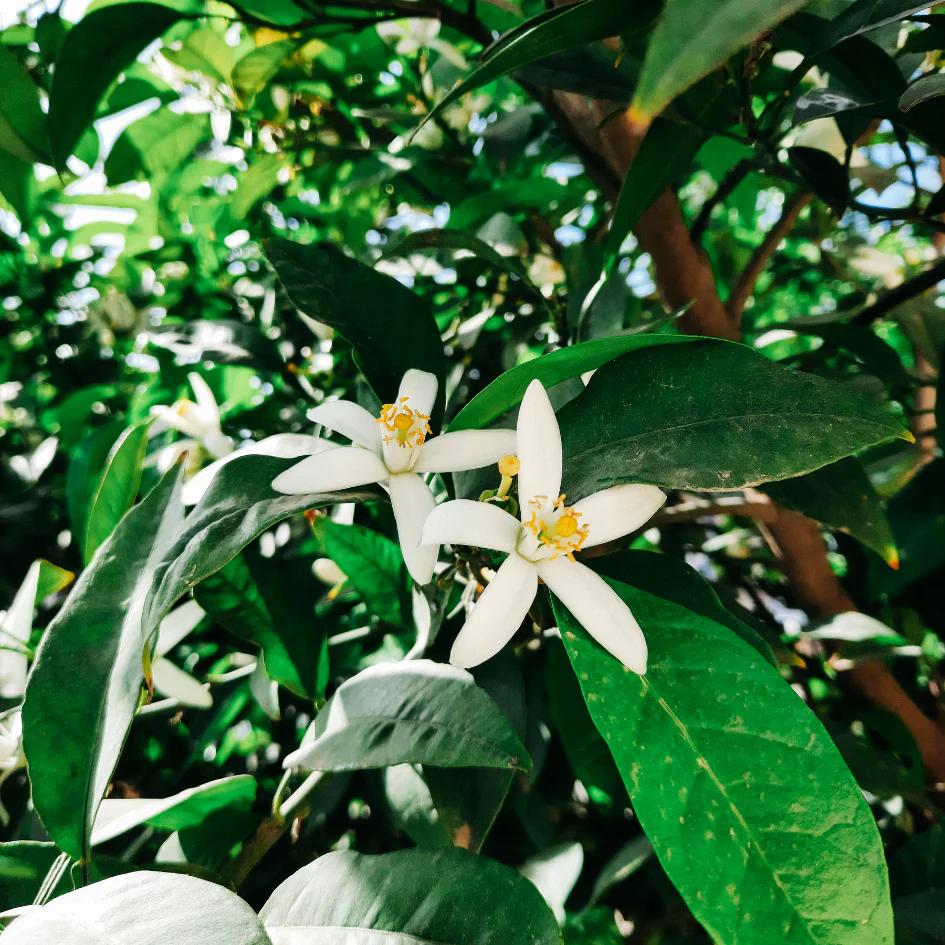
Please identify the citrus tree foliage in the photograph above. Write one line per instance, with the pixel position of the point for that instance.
(470, 472)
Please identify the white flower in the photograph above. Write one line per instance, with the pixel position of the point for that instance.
(198, 420)
(169, 680)
(11, 751)
(542, 545)
(393, 449)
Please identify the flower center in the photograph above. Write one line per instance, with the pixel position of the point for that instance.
(557, 526)
(405, 427)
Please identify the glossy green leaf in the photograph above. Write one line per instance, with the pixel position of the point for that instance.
(415, 712)
(726, 765)
(94, 53)
(841, 496)
(373, 566)
(260, 602)
(23, 867)
(22, 122)
(551, 32)
(742, 420)
(507, 390)
(117, 487)
(152, 559)
(412, 808)
(665, 154)
(922, 90)
(824, 174)
(446, 897)
(388, 339)
(861, 16)
(185, 809)
(256, 68)
(683, 48)
(146, 908)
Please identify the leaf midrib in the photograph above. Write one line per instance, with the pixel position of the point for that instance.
(405, 937)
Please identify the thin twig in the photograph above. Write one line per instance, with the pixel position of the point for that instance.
(903, 292)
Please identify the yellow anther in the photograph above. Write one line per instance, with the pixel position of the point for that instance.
(509, 465)
(182, 407)
(407, 427)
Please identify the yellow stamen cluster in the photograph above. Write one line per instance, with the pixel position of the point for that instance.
(404, 426)
(183, 407)
(557, 527)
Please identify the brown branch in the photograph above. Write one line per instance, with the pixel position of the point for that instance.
(923, 281)
(745, 283)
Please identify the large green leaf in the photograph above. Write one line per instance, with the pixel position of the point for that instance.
(446, 897)
(154, 145)
(186, 809)
(95, 51)
(841, 496)
(152, 559)
(22, 122)
(117, 487)
(710, 415)
(726, 766)
(99, 636)
(416, 712)
(143, 907)
(23, 867)
(547, 34)
(389, 338)
(507, 390)
(685, 47)
(373, 565)
(922, 90)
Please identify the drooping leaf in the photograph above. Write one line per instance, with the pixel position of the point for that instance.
(684, 48)
(152, 559)
(185, 809)
(507, 390)
(743, 420)
(388, 339)
(22, 122)
(446, 897)
(841, 496)
(922, 90)
(95, 51)
(665, 154)
(824, 174)
(415, 712)
(547, 34)
(116, 488)
(143, 907)
(725, 765)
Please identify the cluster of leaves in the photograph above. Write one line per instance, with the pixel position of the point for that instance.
(301, 200)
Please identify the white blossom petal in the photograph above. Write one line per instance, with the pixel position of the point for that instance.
(177, 625)
(498, 613)
(615, 512)
(342, 468)
(479, 524)
(350, 420)
(173, 683)
(15, 628)
(539, 448)
(464, 449)
(413, 501)
(598, 608)
(207, 403)
(420, 387)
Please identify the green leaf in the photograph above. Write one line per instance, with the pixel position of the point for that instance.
(99, 632)
(256, 68)
(683, 48)
(865, 15)
(117, 487)
(94, 53)
(625, 862)
(447, 897)
(204, 50)
(388, 339)
(922, 90)
(146, 908)
(415, 712)
(258, 601)
(156, 144)
(22, 122)
(665, 154)
(186, 809)
(735, 771)
(507, 390)
(373, 565)
(23, 867)
(742, 420)
(412, 808)
(841, 496)
(825, 175)
(152, 559)
(554, 31)
(17, 186)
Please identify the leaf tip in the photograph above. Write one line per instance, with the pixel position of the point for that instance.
(639, 119)
(891, 556)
